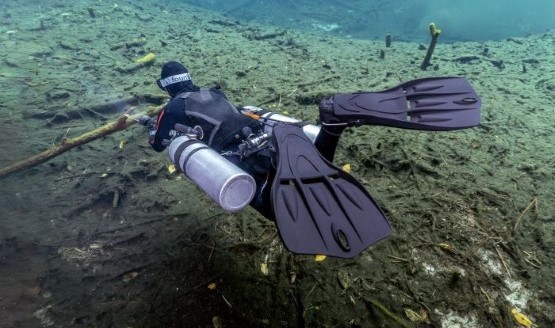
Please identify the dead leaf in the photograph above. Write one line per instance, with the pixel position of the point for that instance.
(447, 247)
(521, 318)
(345, 279)
(217, 322)
(130, 276)
(413, 316)
(264, 268)
(319, 258)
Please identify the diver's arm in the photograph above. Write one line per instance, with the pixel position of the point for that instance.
(161, 131)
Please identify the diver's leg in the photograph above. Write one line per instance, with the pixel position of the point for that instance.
(326, 143)
(328, 138)
(260, 167)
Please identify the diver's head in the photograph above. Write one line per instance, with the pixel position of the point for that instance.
(174, 78)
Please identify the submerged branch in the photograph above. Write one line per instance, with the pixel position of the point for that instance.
(121, 123)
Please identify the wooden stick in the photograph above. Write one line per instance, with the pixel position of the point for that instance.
(434, 32)
(121, 123)
(533, 202)
(503, 261)
(386, 311)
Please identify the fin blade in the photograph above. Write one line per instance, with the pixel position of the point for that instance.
(335, 215)
(446, 103)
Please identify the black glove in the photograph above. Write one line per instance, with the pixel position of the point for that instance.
(147, 121)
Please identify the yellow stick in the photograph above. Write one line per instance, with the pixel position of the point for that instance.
(434, 32)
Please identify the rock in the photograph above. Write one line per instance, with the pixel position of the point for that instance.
(531, 61)
(466, 59)
(345, 279)
(58, 118)
(132, 44)
(67, 46)
(56, 95)
(39, 52)
(498, 63)
(10, 62)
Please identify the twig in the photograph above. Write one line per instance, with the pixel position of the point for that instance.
(226, 301)
(486, 294)
(97, 114)
(211, 252)
(122, 274)
(533, 202)
(399, 259)
(202, 283)
(292, 92)
(386, 311)
(294, 298)
(310, 292)
(503, 261)
(532, 263)
(532, 259)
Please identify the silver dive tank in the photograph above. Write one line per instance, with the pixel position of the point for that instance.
(228, 185)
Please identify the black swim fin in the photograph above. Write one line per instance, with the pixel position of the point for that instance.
(319, 208)
(445, 103)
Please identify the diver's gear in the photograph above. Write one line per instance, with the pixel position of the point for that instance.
(269, 119)
(319, 208)
(445, 103)
(253, 144)
(229, 186)
(219, 120)
(149, 123)
(181, 129)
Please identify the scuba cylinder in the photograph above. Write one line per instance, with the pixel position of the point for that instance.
(228, 185)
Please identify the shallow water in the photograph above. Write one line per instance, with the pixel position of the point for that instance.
(471, 20)
(104, 235)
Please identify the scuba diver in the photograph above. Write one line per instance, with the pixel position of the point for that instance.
(283, 168)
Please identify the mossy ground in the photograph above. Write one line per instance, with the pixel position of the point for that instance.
(75, 254)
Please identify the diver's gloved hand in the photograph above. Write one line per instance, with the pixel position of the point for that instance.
(147, 121)
(329, 121)
(144, 120)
